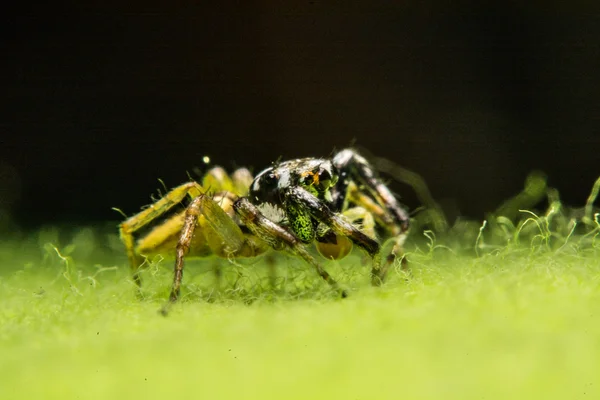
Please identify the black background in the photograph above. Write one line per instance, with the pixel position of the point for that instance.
(99, 100)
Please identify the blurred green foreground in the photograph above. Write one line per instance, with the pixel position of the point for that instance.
(510, 322)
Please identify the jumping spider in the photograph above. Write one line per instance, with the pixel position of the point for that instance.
(333, 202)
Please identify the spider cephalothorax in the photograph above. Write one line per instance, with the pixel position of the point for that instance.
(333, 202)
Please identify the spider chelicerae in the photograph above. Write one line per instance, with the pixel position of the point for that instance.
(332, 202)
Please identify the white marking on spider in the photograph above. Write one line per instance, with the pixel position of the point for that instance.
(272, 212)
(343, 157)
(257, 178)
(284, 179)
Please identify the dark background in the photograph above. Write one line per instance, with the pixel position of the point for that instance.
(100, 99)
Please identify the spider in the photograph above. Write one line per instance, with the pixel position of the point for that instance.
(332, 202)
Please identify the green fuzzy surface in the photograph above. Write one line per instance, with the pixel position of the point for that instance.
(517, 323)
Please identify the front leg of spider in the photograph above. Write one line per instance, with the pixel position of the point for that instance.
(223, 235)
(318, 210)
(278, 237)
(359, 183)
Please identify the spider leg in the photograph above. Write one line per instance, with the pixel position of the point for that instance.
(335, 246)
(217, 180)
(378, 277)
(162, 238)
(128, 228)
(321, 212)
(359, 213)
(368, 216)
(379, 213)
(278, 237)
(385, 220)
(354, 167)
(378, 199)
(242, 179)
(223, 235)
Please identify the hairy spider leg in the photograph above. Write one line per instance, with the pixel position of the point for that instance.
(217, 180)
(385, 220)
(163, 237)
(128, 228)
(223, 235)
(322, 213)
(279, 238)
(334, 246)
(354, 167)
(384, 206)
(242, 179)
(379, 213)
